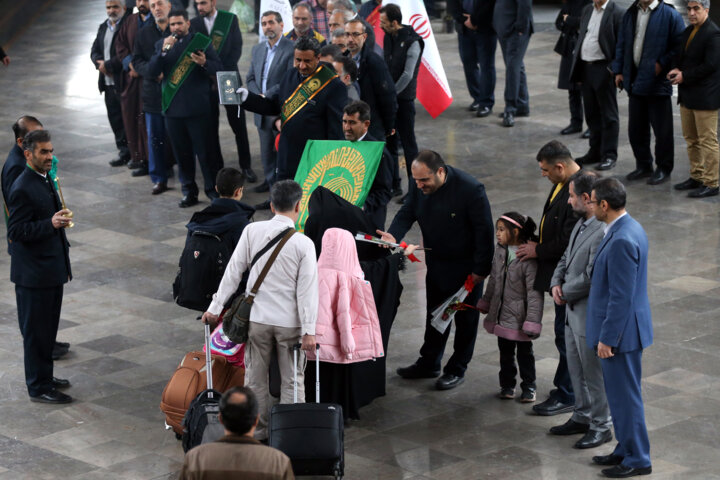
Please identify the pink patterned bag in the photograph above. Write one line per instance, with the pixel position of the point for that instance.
(220, 344)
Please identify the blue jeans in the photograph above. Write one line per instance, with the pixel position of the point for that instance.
(155, 125)
(477, 53)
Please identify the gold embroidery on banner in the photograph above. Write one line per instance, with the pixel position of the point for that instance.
(179, 72)
(217, 39)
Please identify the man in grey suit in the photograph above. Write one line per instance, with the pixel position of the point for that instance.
(270, 60)
(570, 285)
(513, 23)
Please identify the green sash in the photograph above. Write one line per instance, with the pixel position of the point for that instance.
(306, 91)
(182, 69)
(220, 29)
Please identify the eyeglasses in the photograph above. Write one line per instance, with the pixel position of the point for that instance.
(355, 34)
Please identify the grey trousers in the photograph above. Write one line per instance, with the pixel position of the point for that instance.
(258, 350)
(591, 406)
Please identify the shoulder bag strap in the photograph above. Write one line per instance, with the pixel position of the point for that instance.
(268, 247)
(269, 263)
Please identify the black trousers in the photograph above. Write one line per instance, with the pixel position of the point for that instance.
(239, 130)
(188, 136)
(466, 326)
(114, 113)
(575, 102)
(405, 133)
(38, 316)
(563, 384)
(525, 360)
(601, 110)
(645, 112)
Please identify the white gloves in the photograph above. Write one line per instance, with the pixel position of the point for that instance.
(243, 94)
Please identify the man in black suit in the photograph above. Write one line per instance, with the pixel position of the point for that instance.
(556, 224)
(187, 113)
(110, 68)
(15, 163)
(39, 265)
(454, 216)
(227, 41)
(696, 72)
(356, 122)
(599, 27)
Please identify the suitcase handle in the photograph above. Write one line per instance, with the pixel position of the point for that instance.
(208, 361)
(296, 347)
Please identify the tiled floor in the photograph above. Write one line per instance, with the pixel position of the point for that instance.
(128, 336)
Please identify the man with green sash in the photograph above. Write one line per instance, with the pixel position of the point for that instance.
(222, 28)
(310, 101)
(186, 61)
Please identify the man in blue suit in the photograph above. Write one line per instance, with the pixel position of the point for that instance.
(619, 325)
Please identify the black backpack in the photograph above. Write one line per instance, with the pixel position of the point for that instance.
(202, 265)
(201, 423)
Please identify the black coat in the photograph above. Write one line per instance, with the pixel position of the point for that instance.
(559, 222)
(225, 217)
(457, 226)
(143, 51)
(40, 254)
(569, 30)
(320, 120)
(700, 67)
(375, 206)
(481, 15)
(231, 50)
(13, 167)
(607, 37)
(114, 65)
(377, 89)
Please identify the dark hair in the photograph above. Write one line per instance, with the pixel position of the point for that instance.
(358, 106)
(33, 138)
(392, 12)
(285, 194)
(349, 66)
(238, 417)
(554, 152)
(278, 17)
(612, 191)
(583, 181)
(357, 20)
(22, 124)
(176, 12)
(308, 43)
(527, 232)
(431, 159)
(228, 180)
(330, 50)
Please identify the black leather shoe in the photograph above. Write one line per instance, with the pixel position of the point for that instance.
(606, 164)
(608, 460)
(60, 382)
(552, 406)
(621, 471)
(64, 345)
(704, 192)
(571, 427)
(118, 162)
(593, 439)
(140, 172)
(587, 160)
(448, 381)
(517, 114)
(159, 188)
(396, 192)
(638, 173)
(59, 351)
(473, 107)
(263, 206)
(483, 112)
(401, 200)
(53, 396)
(414, 371)
(508, 120)
(188, 201)
(262, 188)
(658, 177)
(586, 134)
(570, 129)
(689, 184)
(249, 174)
(134, 164)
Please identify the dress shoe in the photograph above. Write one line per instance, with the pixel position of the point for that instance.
(415, 371)
(593, 439)
(586, 134)
(448, 381)
(552, 406)
(402, 199)
(571, 427)
(587, 160)
(59, 351)
(606, 164)
(263, 205)
(638, 173)
(262, 188)
(64, 345)
(689, 184)
(570, 129)
(396, 192)
(118, 162)
(608, 460)
(140, 172)
(134, 164)
(704, 192)
(621, 471)
(249, 174)
(159, 188)
(517, 114)
(658, 177)
(53, 396)
(188, 201)
(60, 382)
(483, 112)
(508, 120)
(473, 107)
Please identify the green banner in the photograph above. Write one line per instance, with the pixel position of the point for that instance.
(220, 29)
(345, 168)
(182, 69)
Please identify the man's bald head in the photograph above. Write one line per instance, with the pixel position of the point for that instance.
(239, 411)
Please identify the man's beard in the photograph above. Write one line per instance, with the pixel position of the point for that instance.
(143, 10)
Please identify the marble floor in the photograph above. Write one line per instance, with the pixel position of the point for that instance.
(127, 335)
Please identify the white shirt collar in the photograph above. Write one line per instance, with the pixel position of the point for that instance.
(609, 225)
(652, 6)
(210, 20)
(361, 138)
(283, 219)
(603, 6)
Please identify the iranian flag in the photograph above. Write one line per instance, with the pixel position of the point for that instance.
(433, 89)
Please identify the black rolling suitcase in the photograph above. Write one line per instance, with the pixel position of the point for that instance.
(311, 434)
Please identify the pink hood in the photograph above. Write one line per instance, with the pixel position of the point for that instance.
(347, 329)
